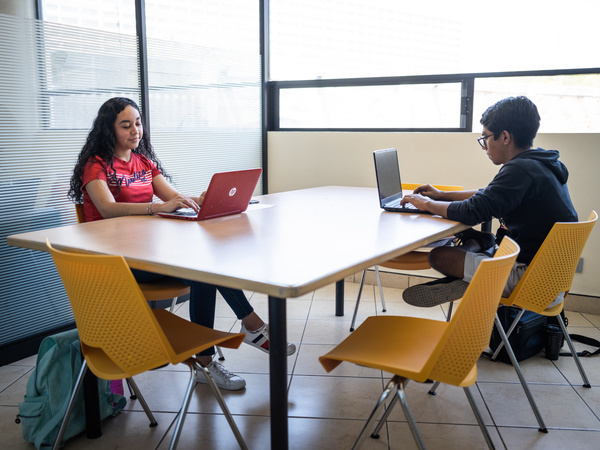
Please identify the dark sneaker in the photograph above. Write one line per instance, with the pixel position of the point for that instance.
(435, 292)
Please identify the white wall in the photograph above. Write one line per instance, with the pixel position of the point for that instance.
(299, 160)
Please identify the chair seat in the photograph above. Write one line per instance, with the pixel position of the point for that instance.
(378, 341)
(415, 260)
(162, 290)
(188, 338)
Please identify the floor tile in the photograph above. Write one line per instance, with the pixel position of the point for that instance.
(442, 437)
(536, 369)
(127, 430)
(333, 397)
(328, 434)
(559, 406)
(327, 411)
(449, 405)
(10, 374)
(527, 439)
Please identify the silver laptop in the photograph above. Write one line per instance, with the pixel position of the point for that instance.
(389, 185)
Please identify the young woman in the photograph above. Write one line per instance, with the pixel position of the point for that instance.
(118, 174)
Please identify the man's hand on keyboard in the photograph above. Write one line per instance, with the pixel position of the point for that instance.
(417, 200)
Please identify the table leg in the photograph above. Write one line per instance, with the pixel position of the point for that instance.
(92, 405)
(278, 372)
(339, 298)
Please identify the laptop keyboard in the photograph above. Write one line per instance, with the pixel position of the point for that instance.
(406, 205)
(186, 212)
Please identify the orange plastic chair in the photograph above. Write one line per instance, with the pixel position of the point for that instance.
(122, 337)
(430, 349)
(160, 290)
(415, 260)
(550, 273)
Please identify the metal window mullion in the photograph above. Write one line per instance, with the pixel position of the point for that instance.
(466, 110)
(140, 25)
(266, 110)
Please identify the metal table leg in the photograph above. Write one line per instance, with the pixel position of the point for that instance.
(278, 372)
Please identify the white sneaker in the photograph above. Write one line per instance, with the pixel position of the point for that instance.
(223, 377)
(260, 339)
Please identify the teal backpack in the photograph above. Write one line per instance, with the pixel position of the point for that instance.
(49, 389)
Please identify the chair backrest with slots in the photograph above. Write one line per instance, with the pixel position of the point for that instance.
(469, 331)
(553, 267)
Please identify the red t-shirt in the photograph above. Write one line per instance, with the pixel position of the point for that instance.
(134, 177)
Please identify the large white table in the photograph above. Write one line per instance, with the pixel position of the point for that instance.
(289, 244)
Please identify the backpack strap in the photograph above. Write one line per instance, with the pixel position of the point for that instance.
(584, 340)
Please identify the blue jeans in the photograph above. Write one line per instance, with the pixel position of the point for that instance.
(203, 297)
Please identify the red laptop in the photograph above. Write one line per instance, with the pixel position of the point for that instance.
(228, 193)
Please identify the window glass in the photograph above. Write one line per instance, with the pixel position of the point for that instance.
(117, 16)
(567, 103)
(396, 106)
(312, 39)
(205, 87)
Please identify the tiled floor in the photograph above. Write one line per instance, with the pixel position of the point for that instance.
(327, 411)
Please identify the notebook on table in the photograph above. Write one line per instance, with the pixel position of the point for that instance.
(228, 193)
(389, 185)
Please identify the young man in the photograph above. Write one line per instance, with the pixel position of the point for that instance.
(528, 195)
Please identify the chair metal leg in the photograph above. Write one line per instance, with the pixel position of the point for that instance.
(173, 304)
(184, 406)
(386, 414)
(449, 315)
(383, 308)
(391, 388)
(515, 364)
(584, 377)
(362, 282)
(482, 426)
(433, 389)
(70, 404)
(138, 394)
(193, 363)
(132, 395)
(508, 333)
(220, 352)
(401, 394)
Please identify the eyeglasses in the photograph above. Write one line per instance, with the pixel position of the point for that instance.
(482, 139)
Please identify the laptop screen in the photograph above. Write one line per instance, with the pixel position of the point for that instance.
(388, 172)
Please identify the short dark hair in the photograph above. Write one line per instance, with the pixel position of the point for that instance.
(517, 115)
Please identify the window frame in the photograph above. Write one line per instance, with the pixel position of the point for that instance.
(467, 80)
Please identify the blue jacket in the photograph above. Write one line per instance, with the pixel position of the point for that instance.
(528, 195)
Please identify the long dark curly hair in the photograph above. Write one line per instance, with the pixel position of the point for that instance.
(101, 142)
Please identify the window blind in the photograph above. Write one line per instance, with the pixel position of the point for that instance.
(204, 117)
(205, 89)
(52, 80)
